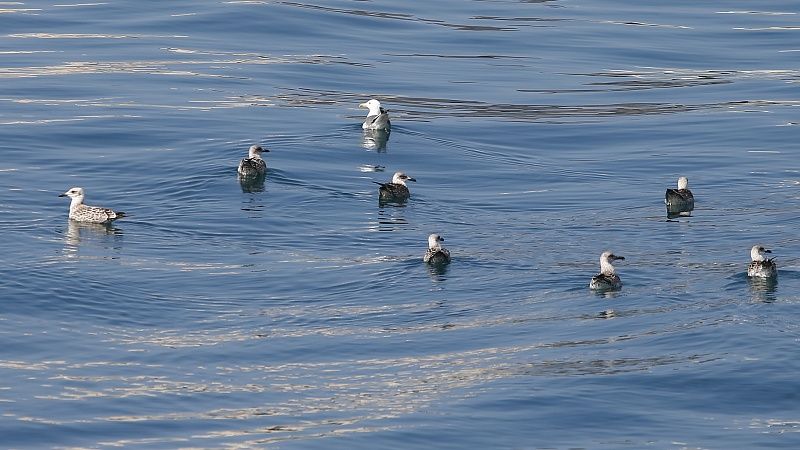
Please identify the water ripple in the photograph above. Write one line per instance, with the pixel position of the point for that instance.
(400, 16)
(426, 109)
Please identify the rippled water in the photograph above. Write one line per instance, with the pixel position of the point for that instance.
(297, 313)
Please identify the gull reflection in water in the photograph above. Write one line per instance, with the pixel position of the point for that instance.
(438, 272)
(674, 213)
(607, 293)
(762, 290)
(375, 140)
(252, 184)
(78, 233)
(607, 314)
(389, 219)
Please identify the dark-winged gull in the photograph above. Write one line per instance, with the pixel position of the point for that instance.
(397, 189)
(436, 254)
(377, 117)
(680, 199)
(607, 278)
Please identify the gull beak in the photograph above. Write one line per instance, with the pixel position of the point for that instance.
(620, 258)
(411, 179)
(62, 195)
(363, 105)
(767, 251)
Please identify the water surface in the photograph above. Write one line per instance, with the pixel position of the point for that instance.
(297, 313)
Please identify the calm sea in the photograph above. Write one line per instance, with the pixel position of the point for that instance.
(298, 314)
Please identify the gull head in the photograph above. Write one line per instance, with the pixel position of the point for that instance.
(256, 150)
(373, 105)
(606, 260)
(435, 241)
(757, 253)
(73, 193)
(683, 183)
(401, 178)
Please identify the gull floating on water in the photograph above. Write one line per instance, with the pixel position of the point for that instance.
(253, 165)
(680, 199)
(607, 278)
(84, 213)
(761, 266)
(377, 117)
(397, 189)
(436, 254)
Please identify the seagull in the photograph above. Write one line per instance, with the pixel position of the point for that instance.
(436, 254)
(761, 266)
(607, 278)
(84, 213)
(253, 165)
(377, 117)
(397, 189)
(680, 199)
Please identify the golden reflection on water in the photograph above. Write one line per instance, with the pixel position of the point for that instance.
(17, 10)
(318, 399)
(166, 67)
(87, 36)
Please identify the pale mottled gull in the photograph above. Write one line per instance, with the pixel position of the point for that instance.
(84, 213)
(377, 117)
(253, 165)
(761, 266)
(436, 254)
(607, 278)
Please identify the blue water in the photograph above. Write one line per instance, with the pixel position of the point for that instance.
(298, 313)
